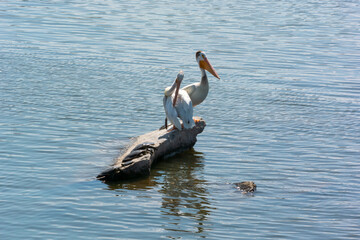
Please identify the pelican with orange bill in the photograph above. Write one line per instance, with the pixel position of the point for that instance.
(199, 91)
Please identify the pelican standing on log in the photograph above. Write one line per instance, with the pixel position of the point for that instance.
(199, 91)
(177, 103)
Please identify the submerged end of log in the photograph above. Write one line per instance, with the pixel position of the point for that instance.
(149, 148)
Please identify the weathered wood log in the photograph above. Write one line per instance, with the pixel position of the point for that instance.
(147, 149)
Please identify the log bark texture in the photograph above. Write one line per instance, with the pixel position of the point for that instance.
(147, 149)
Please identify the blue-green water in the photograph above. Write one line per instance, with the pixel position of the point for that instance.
(78, 79)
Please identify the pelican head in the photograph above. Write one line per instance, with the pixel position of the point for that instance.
(178, 81)
(180, 77)
(205, 64)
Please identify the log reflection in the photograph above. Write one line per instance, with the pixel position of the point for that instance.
(185, 205)
(185, 196)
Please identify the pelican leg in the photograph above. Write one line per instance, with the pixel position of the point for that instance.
(172, 129)
(166, 123)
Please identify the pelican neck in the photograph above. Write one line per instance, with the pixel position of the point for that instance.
(204, 79)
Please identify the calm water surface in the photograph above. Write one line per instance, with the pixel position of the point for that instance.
(79, 79)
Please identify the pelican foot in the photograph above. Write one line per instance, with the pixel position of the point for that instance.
(196, 120)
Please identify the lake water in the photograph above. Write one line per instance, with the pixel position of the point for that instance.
(79, 79)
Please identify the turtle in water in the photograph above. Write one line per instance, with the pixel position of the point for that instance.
(246, 187)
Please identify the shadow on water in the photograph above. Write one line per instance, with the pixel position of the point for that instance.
(179, 180)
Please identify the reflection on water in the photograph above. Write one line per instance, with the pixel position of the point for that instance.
(180, 182)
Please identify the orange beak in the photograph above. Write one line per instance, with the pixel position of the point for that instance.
(176, 91)
(205, 64)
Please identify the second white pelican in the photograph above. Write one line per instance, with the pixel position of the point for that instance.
(198, 91)
(177, 103)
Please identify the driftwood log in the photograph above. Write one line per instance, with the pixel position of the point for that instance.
(147, 149)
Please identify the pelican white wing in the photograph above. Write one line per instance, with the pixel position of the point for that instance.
(171, 112)
(177, 104)
(184, 109)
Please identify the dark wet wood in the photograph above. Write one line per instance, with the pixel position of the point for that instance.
(147, 149)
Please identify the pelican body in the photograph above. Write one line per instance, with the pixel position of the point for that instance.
(199, 91)
(177, 104)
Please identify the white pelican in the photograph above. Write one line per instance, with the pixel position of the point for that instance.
(199, 91)
(178, 104)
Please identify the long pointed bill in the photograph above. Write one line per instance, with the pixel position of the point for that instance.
(207, 66)
(176, 91)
